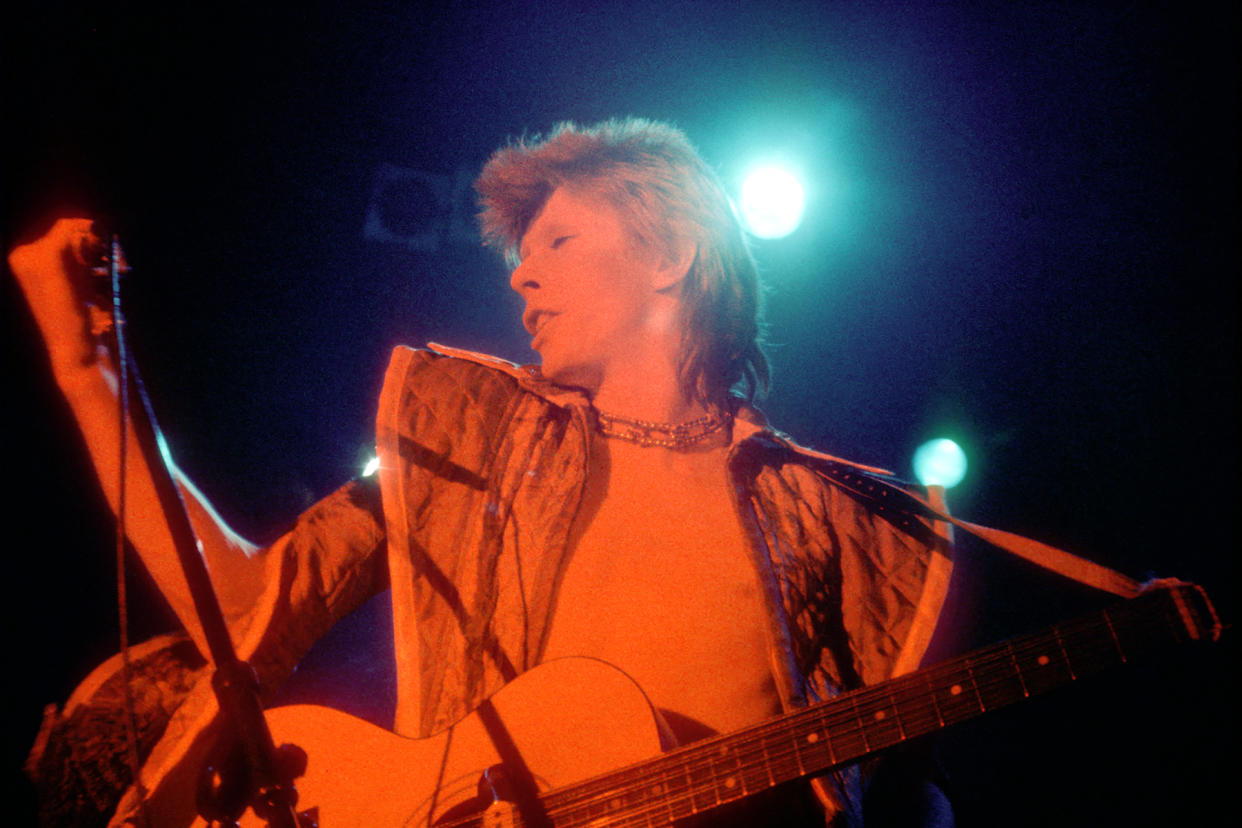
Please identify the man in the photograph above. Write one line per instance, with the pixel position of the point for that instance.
(623, 501)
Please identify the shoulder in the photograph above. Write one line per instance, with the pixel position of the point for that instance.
(757, 441)
(444, 399)
(441, 369)
(832, 488)
(437, 366)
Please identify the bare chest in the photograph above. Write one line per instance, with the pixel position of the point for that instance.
(660, 584)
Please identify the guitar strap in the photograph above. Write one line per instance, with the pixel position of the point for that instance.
(520, 782)
(897, 505)
(1055, 560)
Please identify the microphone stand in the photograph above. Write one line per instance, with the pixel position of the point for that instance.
(260, 775)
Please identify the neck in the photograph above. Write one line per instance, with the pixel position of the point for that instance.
(646, 390)
(645, 384)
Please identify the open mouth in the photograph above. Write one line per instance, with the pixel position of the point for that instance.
(536, 321)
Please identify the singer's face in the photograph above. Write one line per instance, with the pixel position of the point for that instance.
(587, 283)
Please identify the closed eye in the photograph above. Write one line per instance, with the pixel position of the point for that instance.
(559, 240)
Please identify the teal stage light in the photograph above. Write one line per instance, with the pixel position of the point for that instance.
(940, 462)
(772, 202)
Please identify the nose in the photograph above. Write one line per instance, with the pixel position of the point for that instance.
(522, 279)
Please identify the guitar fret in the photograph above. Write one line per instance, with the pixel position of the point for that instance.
(641, 798)
(676, 798)
(701, 777)
(655, 800)
(681, 791)
(935, 704)
(958, 699)
(628, 801)
(996, 680)
(1120, 652)
(785, 762)
(792, 734)
(1013, 659)
(608, 805)
(581, 813)
(974, 686)
(815, 744)
(842, 734)
(681, 808)
(1044, 667)
(892, 705)
(914, 701)
(768, 758)
(655, 793)
(729, 784)
(1064, 654)
(1093, 646)
(880, 719)
(641, 816)
(752, 759)
(776, 756)
(858, 722)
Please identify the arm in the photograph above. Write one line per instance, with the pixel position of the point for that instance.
(48, 274)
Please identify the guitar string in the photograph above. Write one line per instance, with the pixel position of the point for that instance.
(781, 759)
(583, 801)
(664, 807)
(1099, 646)
(660, 812)
(784, 761)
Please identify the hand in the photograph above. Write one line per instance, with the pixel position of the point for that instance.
(53, 273)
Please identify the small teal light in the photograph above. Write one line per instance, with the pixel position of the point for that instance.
(772, 202)
(940, 462)
(371, 467)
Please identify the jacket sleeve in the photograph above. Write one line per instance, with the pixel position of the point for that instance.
(325, 567)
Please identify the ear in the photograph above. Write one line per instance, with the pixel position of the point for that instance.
(673, 268)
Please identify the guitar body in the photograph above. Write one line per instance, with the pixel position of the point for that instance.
(570, 719)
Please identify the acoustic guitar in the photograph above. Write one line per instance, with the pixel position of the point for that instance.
(585, 735)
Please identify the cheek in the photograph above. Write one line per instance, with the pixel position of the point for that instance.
(618, 284)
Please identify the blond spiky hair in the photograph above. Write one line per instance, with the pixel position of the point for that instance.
(651, 174)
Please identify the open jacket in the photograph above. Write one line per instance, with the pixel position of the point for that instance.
(482, 469)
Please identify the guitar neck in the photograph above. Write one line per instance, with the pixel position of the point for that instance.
(858, 724)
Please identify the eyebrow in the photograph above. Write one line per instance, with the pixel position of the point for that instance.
(548, 231)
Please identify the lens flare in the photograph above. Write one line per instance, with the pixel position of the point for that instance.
(772, 202)
(940, 462)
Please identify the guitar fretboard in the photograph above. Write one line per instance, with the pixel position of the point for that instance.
(855, 725)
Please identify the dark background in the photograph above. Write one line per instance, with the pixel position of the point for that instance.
(1021, 233)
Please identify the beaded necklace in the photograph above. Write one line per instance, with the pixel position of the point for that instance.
(665, 435)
